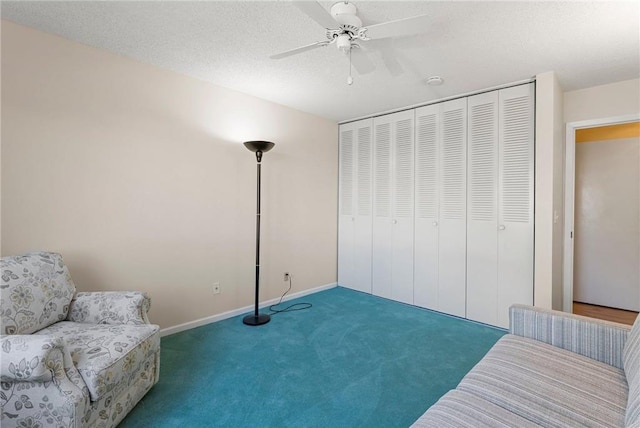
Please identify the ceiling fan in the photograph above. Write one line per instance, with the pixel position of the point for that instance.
(344, 29)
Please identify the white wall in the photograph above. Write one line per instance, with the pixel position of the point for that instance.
(607, 223)
(548, 192)
(553, 110)
(604, 102)
(137, 176)
(598, 102)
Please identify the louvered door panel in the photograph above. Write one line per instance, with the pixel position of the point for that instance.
(425, 270)
(363, 206)
(382, 197)
(482, 208)
(382, 170)
(403, 169)
(515, 199)
(393, 207)
(346, 171)
(364, 166)
(452, 234)
(402, 223)
(346, 218)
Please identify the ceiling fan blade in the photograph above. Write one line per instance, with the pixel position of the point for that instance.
(400, 27)
(317, 13)
(389, 55)
(361, 61)
(391, 62)
(300, 49)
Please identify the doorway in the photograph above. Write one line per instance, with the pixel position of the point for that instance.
(602, 215)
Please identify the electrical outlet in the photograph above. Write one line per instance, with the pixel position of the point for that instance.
(286, 276)
(216, 288)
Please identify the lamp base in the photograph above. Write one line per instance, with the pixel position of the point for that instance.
(256, 320)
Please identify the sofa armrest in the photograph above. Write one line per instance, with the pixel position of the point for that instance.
(110, 307)
(37, 377)
(597, 339)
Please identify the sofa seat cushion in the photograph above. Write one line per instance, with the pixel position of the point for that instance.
(108, 357)
(549, 386)
(459, 409)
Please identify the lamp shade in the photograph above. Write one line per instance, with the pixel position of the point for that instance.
(259, 146)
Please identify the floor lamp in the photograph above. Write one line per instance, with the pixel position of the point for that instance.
(259, 147)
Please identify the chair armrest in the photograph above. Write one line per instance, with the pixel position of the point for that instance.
(110, 307)
(597, 339)
(38, 376)
(24, 357)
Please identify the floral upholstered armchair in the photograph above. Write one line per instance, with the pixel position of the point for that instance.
(70, 359)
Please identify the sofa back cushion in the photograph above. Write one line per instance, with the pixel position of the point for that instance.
(35, 292)
(631, 362)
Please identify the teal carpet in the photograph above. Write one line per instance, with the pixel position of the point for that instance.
(353, 360)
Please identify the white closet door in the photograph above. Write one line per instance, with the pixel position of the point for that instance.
(482, 208)
(402, 223)
(363, 206)
(346, 218)
(425, 270)
(453, 201)
(515, 199)
(393, 207)
(382, 213)
(355, 189)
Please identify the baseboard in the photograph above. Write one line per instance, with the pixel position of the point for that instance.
(235, 312)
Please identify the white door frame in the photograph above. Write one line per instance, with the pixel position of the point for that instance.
(569, 196)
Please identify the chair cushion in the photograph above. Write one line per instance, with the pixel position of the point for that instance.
(459, 409)
(631, 364)
(36, 292)
(549, 386)
(108, 357)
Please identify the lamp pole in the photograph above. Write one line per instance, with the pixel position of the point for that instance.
(259, 147)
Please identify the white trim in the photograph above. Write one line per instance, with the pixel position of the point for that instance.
(569, 198)
(439, 100)
(234, 312)
(569, 201)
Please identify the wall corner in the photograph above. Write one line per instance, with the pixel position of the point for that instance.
(549, 179)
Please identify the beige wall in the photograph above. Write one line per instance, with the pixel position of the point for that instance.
(605, 101)
(137, 176)
(549, 192)
(558, 195)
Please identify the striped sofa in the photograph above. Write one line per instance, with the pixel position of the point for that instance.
(553, 370)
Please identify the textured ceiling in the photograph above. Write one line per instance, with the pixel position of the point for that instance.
(472, 45)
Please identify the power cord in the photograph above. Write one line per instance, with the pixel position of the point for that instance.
(295, 307)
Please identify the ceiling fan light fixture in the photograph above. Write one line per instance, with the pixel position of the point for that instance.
(343, 42)
(435, 81)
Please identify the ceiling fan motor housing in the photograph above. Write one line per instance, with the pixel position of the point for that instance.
(345, 14)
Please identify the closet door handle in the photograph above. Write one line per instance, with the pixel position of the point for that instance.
(394, 221)
(435, 223)
(501, 227)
